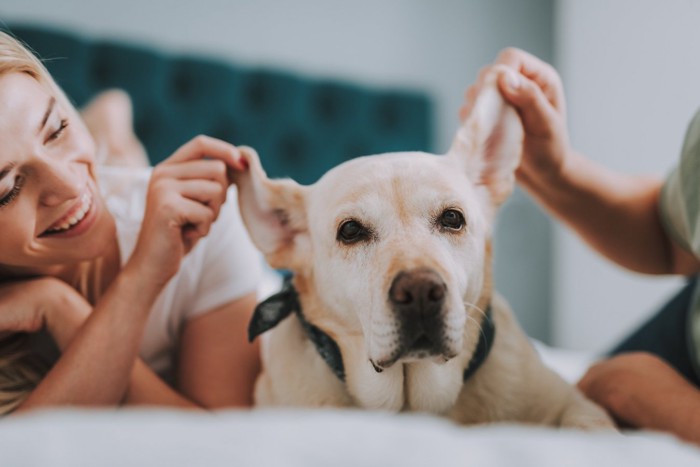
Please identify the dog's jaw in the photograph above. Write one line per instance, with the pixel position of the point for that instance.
(388, 346)
(428, 385)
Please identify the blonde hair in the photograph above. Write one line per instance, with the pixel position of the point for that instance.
(20, 369)
(16, 57)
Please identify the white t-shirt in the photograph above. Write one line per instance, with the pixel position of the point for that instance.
(222, 267)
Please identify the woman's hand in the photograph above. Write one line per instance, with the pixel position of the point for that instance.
(534, 88)
(642, 391)
(185, 194)
(30, 305)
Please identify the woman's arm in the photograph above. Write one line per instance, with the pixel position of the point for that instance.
(225, 365)
(217, 367)
(63, 311)
(95, 367)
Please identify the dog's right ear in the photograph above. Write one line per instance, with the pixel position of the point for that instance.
(488, 144)
(273, 211)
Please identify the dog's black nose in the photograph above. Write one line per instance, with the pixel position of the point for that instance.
(418, 292)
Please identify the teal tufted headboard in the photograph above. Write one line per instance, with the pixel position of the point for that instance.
(300, 126)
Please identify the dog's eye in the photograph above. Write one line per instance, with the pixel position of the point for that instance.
(352, 231)
(452, 219)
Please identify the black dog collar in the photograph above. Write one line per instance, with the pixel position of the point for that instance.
(483, 347)
(270, 312)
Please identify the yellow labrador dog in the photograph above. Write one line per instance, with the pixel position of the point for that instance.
(392, 305)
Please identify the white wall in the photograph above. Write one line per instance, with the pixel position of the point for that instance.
(632, 75)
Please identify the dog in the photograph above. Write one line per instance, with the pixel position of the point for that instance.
(391, 305)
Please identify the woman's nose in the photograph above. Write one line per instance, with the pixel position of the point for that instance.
(60, 182)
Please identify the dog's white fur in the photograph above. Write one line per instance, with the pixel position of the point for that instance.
(343, 288)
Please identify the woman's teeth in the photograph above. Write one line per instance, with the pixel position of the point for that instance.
(77, 216)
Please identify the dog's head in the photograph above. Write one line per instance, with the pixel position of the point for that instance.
(393, 247)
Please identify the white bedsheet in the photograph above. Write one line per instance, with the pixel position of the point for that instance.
(328, 438)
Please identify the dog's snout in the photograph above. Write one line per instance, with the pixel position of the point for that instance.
(420, 290)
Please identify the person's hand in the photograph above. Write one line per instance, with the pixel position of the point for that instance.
(642, 391)
(185, 194)
(30, 305)
(534, 88)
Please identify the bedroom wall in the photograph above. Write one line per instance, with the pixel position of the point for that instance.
(631, 72)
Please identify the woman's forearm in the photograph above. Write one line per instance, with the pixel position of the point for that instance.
(147, 389)
(616, 214)
(96, 366)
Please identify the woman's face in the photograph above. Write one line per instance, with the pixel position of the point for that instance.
(50, 211)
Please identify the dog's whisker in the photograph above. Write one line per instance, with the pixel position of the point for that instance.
(476, 307)
(478, 324)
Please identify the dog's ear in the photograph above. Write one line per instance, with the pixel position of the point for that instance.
(273, 211)
(489, 142)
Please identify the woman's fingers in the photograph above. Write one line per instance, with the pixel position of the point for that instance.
(195, 220)
(206, 192)
(185, 195)
(206, 147)
(205, 169)
(201, 180)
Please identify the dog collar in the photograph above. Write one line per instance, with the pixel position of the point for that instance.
(270, 312)
(483, 347)
(274, 309)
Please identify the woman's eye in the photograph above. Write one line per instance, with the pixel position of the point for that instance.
(12, 194)
(452, 219)
(59, 131)
(352, 231)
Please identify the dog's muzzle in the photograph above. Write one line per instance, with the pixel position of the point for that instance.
(417, 298)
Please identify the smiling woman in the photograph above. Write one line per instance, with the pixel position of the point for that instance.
(47, 184)
(106, 264)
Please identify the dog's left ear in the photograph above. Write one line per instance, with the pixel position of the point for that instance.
(274, 211)
(489, 142)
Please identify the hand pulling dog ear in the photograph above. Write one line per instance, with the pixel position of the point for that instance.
(273, 210)
(488, 144)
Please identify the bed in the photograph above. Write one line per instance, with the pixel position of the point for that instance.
(301, 126)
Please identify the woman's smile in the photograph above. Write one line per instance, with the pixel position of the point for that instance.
(76, 220)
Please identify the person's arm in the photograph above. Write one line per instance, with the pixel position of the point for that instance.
(63, 312)
(95, 367)
(616, 214)
(642, 391)
(217, 367)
